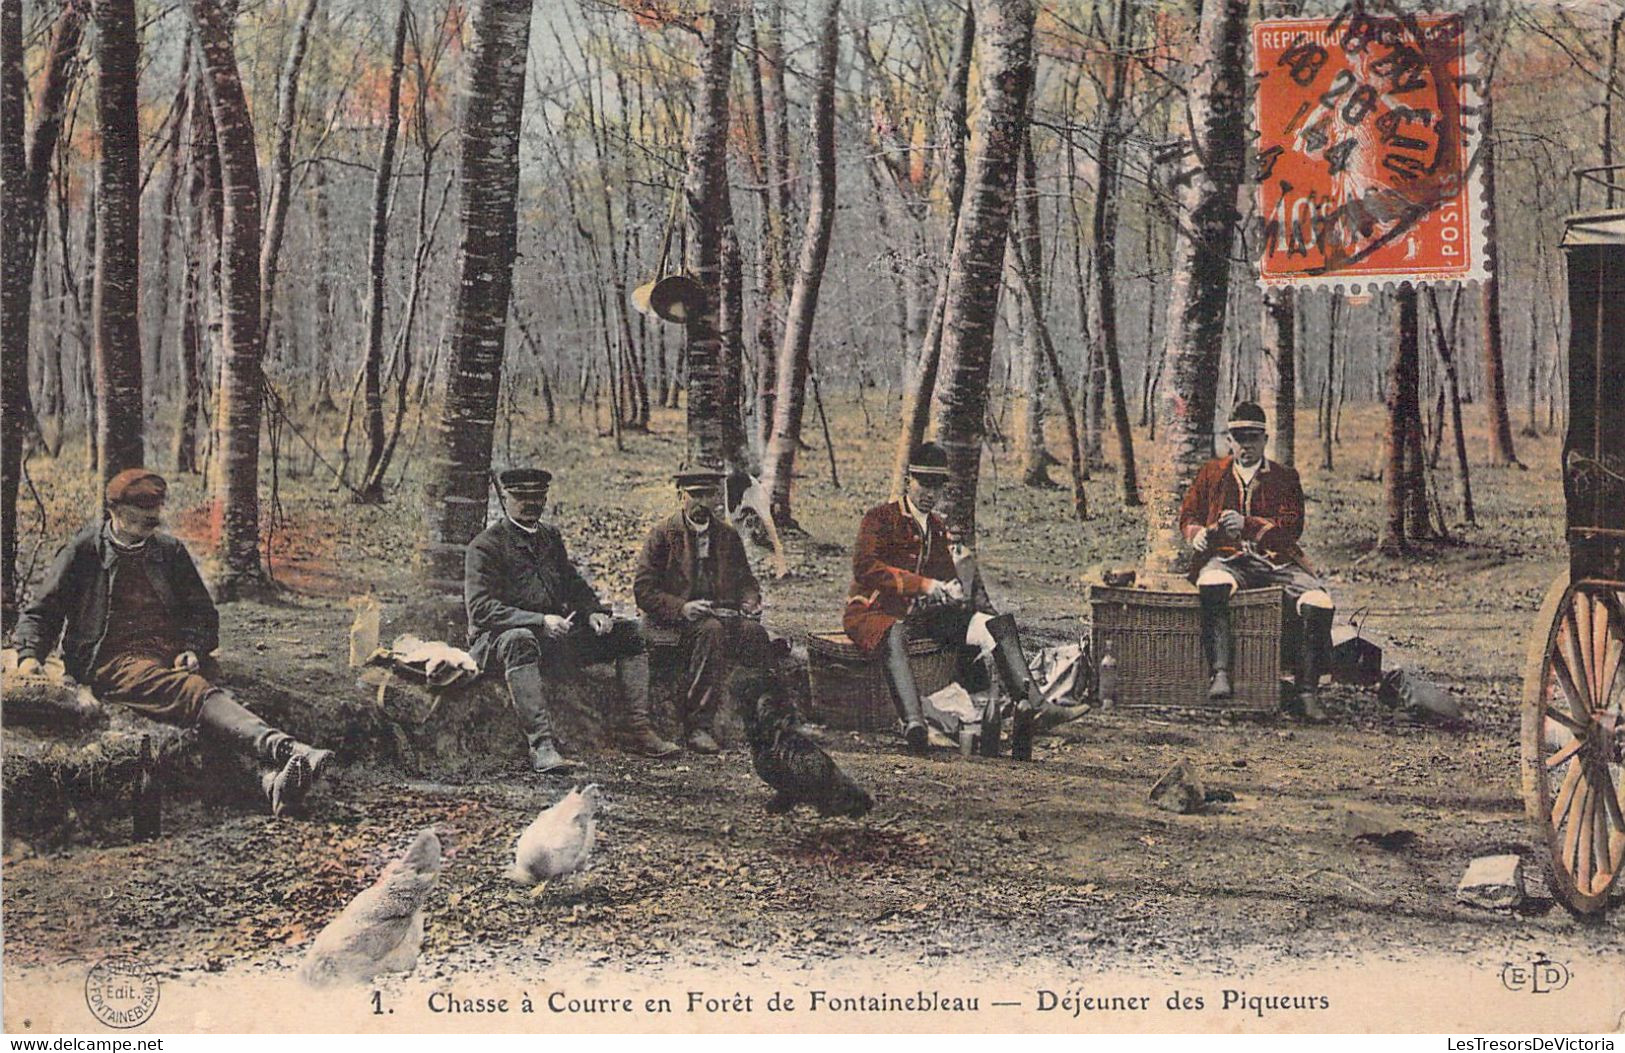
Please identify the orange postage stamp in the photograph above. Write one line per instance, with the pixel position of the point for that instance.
(1366, 164)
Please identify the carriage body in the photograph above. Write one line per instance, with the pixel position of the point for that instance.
(1574, 683)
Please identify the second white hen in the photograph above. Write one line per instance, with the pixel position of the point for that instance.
(559, 841)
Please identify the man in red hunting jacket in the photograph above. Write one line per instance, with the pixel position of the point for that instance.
(1242, 517)
(905, 585)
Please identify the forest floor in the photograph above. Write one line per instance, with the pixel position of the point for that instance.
(965, 863)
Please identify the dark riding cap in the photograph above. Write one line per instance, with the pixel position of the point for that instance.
(1247, 416)
(138, 487)
(699, 479)
(929, 462)
(525, 482)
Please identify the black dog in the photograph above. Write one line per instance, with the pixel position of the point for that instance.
(792, 764)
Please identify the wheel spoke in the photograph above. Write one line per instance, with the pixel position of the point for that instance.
(1567, 721)
(1600, 869)
(1570, 672)
(1597, 659)
(1577, 839)
(1565, 796)
(1604, 782)
(1565, 753)
(1583, 640)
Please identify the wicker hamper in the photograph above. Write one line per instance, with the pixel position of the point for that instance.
(1157, 639)
(849, 687)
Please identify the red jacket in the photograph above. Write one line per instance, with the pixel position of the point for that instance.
(893, 564)
(1272, 505)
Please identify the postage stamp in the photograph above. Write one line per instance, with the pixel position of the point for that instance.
(1368, 150)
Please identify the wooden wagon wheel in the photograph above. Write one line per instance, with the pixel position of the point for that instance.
(1573, 734)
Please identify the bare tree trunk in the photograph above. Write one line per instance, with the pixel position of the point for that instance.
(1104, 228)
(493, 103)
(1201, 277)
(1327, 421)
(372, 491)
(779, 466)
(704, 187)
(951, 133)
(202, 236)
(237, 414)
(322, 353)
(1005, 71)
(276, 216)
(770, 241)
(1495, 388)
(1447, 356)
(25, 169)
(1280, 344)
(735, 448)
(1028, 262)
(1032, 290)
(169, 204)
(115, 300)
(1402, 384)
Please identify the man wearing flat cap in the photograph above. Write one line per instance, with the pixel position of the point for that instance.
(138, 626)
(1242, 517)
(694, 576)
(530, 608)
(905, 585)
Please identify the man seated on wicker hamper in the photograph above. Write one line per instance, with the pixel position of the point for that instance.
(694, 576)
(1242, 517)
(905, 586)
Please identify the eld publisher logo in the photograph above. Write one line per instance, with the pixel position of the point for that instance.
(1541, 976)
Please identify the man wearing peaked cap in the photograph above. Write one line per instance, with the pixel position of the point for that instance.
(906, 585)
(138, 626)
(1242, 517)
(693, 575)
(531, 608)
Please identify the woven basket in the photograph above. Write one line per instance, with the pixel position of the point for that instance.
(848, 686)
(1157, 639)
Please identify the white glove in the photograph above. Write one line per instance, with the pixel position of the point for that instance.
(1199, 541)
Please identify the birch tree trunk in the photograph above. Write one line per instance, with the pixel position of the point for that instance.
(1201, 272)
(705, 187)
(1005, 71)
(115, 297)
(238, 398)
(493, 105)
(795, 351)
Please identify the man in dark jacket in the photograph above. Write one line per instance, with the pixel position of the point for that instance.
(906, 585)
(693, 576)
(141, 629)
(1242, 517)
(530, 607)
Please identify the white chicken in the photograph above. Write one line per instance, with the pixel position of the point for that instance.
(559, 841)
(381, 930)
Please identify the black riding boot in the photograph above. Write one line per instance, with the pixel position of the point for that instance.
(1018, 680)
(288, 768)
(525, 693)
(1216, 643)
(1315, 649)
(904, 692)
